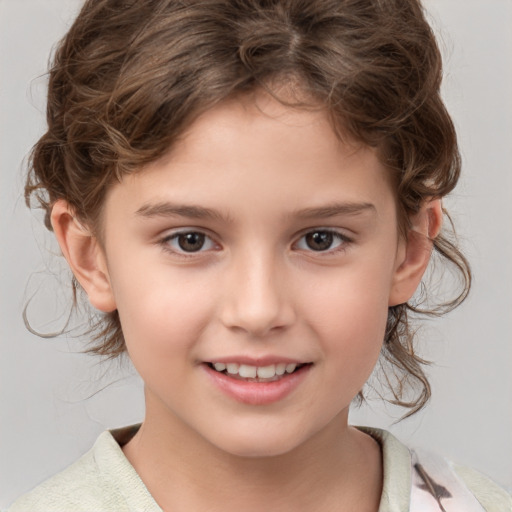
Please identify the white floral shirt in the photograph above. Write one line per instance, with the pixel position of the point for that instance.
(104, 481)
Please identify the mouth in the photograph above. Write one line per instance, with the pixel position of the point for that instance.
(261, 383)
(250, 373)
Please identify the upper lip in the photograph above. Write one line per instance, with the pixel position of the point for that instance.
(256, 361)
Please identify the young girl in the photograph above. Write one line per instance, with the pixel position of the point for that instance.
(250, 193)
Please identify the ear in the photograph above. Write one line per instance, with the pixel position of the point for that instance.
(414, 252)
(84, 255)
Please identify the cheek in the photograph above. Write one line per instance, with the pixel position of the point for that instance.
(353, 330)
(162, 314)
(351, 300)
(348, 312)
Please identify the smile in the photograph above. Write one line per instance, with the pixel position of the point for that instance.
(266, 373)
(257, 385)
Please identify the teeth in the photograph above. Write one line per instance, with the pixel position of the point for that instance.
(280, 368)
(247, 371)
(267, 372)
(232, 368)
(290, 367)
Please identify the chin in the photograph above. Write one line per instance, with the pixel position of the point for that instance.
(254, 449)
(259, 442)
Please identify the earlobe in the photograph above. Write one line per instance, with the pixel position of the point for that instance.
(414, 253)
(84, 256)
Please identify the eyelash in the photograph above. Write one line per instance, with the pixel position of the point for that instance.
(342, 241)
(166, 243)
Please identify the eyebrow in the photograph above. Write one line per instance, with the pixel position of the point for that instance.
(166, 209)
(334, 210)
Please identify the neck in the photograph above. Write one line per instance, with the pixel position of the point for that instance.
(336, 469)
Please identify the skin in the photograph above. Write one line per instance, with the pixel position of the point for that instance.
(256, 288)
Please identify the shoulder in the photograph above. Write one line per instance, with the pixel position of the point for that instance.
(79, 487)
(436, 479)
(493, 497)
(416, 479)
(101, 480)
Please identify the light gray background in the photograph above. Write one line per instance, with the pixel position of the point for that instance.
(50, 411)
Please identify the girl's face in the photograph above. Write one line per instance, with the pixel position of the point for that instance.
(260, 245)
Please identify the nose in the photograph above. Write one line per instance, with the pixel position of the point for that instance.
(257, 296)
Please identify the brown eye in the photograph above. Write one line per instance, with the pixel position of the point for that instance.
(319, 240)
(188, 242)
(191, 242)
(323, 240)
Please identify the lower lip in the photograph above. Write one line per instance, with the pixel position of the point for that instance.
(257, 393)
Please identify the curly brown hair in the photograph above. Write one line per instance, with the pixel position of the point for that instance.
(131, 75)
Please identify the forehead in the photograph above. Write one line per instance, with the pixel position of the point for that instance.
(255, 121)
(253, 153)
